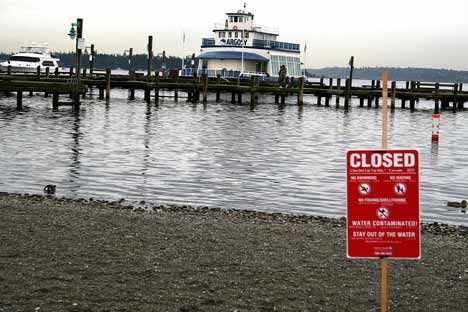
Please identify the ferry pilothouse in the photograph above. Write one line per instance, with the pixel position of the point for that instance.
(242, 48)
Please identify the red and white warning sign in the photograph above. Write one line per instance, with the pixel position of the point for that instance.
(383, 204)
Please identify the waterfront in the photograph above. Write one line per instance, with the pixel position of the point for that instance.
(273, 158)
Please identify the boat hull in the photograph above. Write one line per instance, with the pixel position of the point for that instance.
(23, 69)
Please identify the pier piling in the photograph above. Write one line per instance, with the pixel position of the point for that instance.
(156, 89)
(377, 97)
(392, 103)
(455, 100)
(436, 99)
(91, 61)
(300, 94)
(150, 57)
(347, 94)
(412, 99)
(328, 96)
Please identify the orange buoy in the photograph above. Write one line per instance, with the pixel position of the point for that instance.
(435, 127)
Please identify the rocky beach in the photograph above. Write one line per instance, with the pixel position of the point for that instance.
(59, 254)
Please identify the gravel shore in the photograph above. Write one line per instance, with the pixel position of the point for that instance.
(82, 255)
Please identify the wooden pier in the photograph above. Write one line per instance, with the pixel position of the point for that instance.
(445, 96)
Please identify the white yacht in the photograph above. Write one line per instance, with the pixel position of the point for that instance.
(241, 48)
(29, 58)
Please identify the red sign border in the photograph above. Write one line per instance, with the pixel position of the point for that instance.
(419, 199)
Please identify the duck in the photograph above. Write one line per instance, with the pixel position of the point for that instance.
(50, 189)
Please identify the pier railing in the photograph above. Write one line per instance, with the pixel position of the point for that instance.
(445, 95)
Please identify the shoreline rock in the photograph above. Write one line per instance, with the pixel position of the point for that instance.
(432, 227)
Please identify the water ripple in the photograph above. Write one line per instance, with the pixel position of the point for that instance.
(286, 159)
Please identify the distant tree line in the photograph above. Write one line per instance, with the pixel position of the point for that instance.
(114, 61)
(394, 73)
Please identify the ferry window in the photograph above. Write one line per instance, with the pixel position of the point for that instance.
(236, 34)
(241, 19)
(48, 63)
(230, 34)
(25, 59)
(235, 19)
(231, 19)
(246, 34)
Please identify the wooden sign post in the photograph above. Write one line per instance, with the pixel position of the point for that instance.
(383, 202)
(383, 273)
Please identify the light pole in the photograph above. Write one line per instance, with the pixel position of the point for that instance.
(79, 45)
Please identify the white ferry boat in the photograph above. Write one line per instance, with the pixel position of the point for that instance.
(29, 58)
(242, 48)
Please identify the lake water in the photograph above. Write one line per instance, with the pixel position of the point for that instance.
(277, 159)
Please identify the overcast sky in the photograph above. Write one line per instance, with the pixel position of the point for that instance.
(406, 33)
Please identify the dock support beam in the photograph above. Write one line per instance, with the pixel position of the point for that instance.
(205, 88)
(19, 100)
(239, 97)
(55, 101)
(108, 83)
(377, 97)
(361, 102)
(338, 84)
(455, 100)
(253, 93)
(218, 94)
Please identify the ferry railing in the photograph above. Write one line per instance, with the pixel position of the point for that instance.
(275, 45)
(219, 26)
(189, 72)
(259, 43)
(256, 27)
(265, 29)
